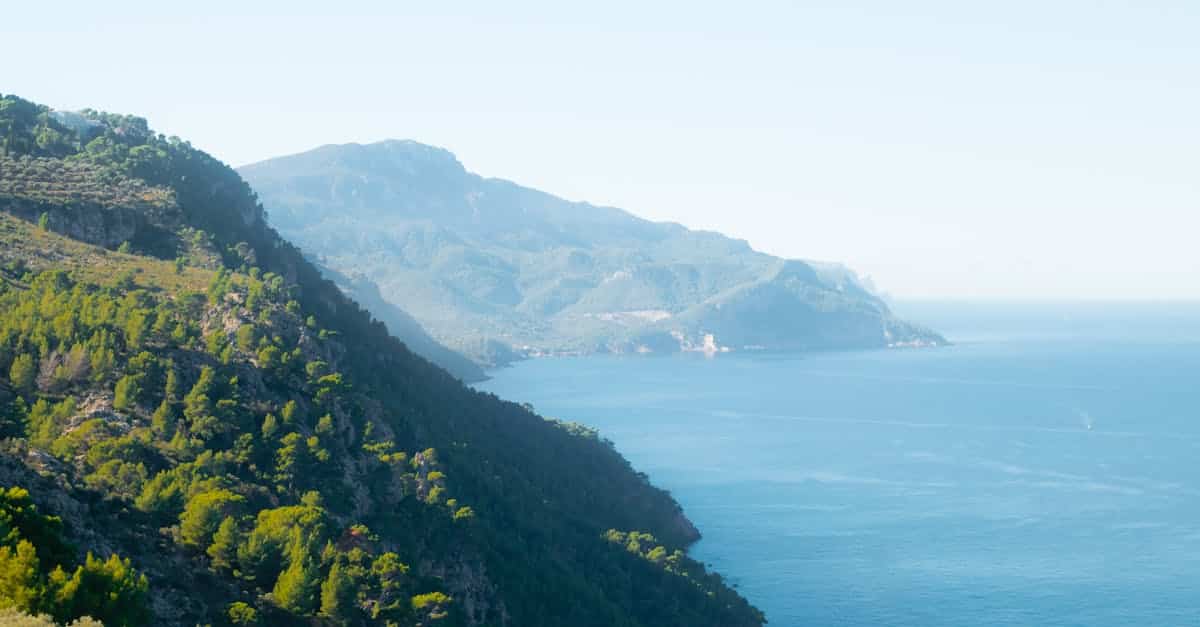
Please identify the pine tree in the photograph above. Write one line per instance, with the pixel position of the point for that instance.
(204, 513)
(296, 588)
(23, 372)
(163, 420)
(102, 363)
(291, 460)
(126, 392)
(270, 428)
(198, 407)
(20, 585)
(223, 550)
(135, 329)
(288, 413)
(325, 425)
(246, 338)
(171, 389)
(337, 594)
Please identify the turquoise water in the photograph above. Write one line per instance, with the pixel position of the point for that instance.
(1042, 471)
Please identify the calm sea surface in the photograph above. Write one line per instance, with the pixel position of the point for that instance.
(1044, 470)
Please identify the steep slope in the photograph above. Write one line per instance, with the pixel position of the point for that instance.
(184, 389)
(483, 261)
(111, 210)
(403, 326)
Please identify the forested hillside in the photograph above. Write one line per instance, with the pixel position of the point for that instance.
(199, 429)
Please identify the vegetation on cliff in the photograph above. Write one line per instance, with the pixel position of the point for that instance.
(236, 442)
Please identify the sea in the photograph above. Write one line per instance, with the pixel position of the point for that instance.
(1043, 470)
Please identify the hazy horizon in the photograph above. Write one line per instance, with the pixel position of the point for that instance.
(1020, 152)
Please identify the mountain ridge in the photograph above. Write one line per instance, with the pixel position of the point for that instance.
(478, 259)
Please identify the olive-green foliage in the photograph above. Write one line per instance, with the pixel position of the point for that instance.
(36, 573)
(47, 420)
(126, 392)
(242, 614)
(204, 513)
(55, 180)
(13, 618)
(219, 444)
(281, 550)
(22, 584)
(270, 427)
(108, 590)
(246, 338)
(422, 601)
(223, 550)
(340, 588)
(22, 372)
(431, 605)
(297, 586)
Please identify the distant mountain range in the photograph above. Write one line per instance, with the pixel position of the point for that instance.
(404, 326)
(497, 271)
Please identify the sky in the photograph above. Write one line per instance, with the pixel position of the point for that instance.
(962, 149)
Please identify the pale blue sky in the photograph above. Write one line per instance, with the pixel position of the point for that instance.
(956, 149)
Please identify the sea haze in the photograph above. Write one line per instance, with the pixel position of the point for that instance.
(1043, 470)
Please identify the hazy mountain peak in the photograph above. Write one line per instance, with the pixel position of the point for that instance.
(392, 156)
(478, 260)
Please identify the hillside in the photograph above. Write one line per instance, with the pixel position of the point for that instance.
(200, 429)
(403, 326)
(486, 264)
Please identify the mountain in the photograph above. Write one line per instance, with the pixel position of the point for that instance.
(197, 427)
(486, 263)
(403, 326)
